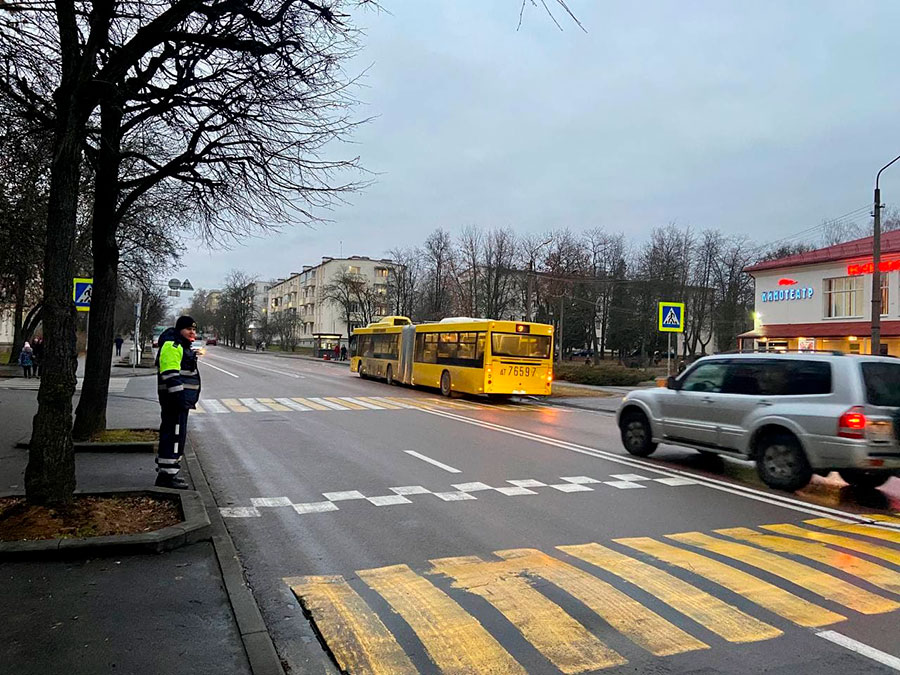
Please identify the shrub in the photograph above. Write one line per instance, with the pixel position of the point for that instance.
(601, 375)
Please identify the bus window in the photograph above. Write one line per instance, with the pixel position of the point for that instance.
(354, 343)
(447, 346)
(426, 347)
(522, 346)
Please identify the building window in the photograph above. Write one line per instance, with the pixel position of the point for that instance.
(885, 294)
(844, 297)
(381, 273)
(353, 269)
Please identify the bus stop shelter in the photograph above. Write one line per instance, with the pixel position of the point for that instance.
(323, 343)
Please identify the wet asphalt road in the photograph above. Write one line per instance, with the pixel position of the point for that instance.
(382, 510)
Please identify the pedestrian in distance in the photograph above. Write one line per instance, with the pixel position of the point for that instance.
(337, 352)
(343, 353)
(119, 342)
(178, 384)
(26, 359)
(38, 355)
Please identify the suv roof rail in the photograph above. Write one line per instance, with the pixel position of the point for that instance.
(833, 352)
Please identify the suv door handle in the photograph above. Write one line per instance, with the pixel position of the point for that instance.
(764, 402)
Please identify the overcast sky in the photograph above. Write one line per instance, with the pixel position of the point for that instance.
(761, 117)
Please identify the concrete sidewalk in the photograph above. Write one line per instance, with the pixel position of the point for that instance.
(156, 613)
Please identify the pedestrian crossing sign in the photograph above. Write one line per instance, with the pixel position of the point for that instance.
(81, 293)
(671, 317)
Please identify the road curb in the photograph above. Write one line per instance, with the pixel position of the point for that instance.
(255, 636)
(575, 406)
(195, 527)
(95, 446)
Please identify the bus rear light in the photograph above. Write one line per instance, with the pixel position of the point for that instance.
(549, 378)
(852, 424)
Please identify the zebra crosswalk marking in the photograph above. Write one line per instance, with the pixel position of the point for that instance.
(804, 576)
(875, 574)
(213, 406)
(867, 530)
(380, 402)
(293, 405)
(362, 403)
(454, 639)
(874, 550)
(357, 638)
(198, 409)
(342, 400)
(253, 405)
(395, 400)
(560, 638)
(641, 625)
(328, 404)
(277, 407)
(764, 594)
(715, 615)
(308, 403)
(235, 405)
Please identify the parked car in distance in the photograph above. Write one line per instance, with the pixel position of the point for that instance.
(212, 340)
(198, 346)
(793, 414)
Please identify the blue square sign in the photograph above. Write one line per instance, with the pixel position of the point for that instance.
(671, 317)
(82, 289)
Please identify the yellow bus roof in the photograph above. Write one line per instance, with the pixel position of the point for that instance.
(485, 324)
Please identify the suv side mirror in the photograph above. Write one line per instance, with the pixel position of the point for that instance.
(672, 383)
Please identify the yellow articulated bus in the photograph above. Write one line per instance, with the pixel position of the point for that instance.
(457, 355)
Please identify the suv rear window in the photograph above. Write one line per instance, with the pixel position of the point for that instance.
(882, 382)
(782, 377)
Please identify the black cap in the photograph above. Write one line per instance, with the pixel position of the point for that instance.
(185, 322)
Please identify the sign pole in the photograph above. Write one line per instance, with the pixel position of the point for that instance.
(669, 356)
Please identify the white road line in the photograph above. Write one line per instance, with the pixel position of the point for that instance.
(258, 367)
(861, 649)
(213, 406)
(254, 405)
(293, 405)
(390, 401)
(445, 467)
(328, 404)
(370, 406)
(634, 463)
(206, 363)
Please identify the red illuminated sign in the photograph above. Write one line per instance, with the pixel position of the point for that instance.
(856, 269)
(787, 282)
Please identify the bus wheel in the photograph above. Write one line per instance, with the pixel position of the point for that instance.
(446, 389)
(361, 372)
(389, 374)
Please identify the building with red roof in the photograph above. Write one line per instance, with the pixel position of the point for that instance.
(822, 299)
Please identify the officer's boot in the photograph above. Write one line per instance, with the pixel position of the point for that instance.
(171, 480)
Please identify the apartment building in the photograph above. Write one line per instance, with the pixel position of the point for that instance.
(303, 294)
(257, 294)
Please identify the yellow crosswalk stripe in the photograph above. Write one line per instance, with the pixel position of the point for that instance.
(875, 574)
(235, 405)
(270, 403)
(709, 611)
(866, 530)
(560, 638)
(359, 640)
(874, 550)
(416, 402)
(883, 517)
(820, 583)
(454, 639)
(309, 404)
(641, 625)
(198, 409)
(345, 403)
(380, 402)
(764, 594)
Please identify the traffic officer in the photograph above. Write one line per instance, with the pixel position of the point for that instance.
(178, 382)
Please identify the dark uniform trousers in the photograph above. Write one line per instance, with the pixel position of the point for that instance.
(172, 436)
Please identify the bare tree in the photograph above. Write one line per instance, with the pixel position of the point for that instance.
(404, 280)
(438, 260)
(498, 280)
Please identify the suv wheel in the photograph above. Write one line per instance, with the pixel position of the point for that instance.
(636, 434)
(865, 479)
(781, 463)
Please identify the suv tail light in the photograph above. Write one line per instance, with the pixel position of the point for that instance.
(852, 423)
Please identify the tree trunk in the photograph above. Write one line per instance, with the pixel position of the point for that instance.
(19, 337)
(90, 416)
(50, 474)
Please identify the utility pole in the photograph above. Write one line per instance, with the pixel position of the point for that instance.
(876, 263)
(529, 290)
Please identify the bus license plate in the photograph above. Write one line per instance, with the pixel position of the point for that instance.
(519, 371)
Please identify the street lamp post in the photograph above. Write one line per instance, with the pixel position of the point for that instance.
(876, 263)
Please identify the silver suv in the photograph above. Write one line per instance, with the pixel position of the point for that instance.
(794, 414)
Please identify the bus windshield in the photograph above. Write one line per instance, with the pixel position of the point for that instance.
(523, 346)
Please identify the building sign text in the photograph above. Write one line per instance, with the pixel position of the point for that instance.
(855, 269)
(804, 293)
